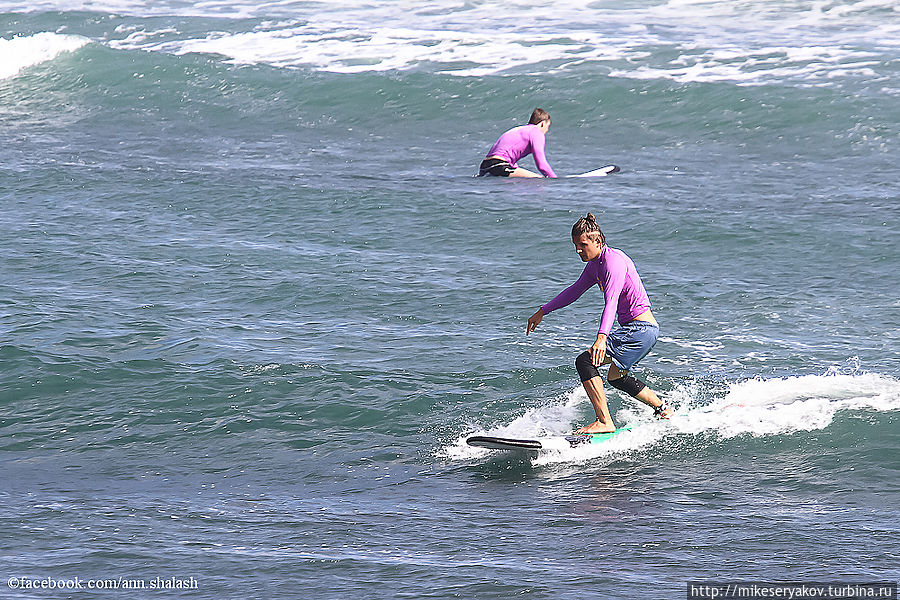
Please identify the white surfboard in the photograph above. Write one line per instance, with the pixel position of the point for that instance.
(601, 172)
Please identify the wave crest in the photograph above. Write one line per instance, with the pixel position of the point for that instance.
(22, 52)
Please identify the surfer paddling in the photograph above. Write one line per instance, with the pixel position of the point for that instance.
(626, 300)
(519, 142)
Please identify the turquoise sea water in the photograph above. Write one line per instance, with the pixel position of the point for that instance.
(253, 302)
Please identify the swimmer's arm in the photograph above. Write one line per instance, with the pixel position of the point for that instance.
(540, 160)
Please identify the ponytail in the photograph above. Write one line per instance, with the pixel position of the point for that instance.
(588, 225)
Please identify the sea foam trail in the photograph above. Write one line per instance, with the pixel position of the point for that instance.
(26, 51)
(756, 407)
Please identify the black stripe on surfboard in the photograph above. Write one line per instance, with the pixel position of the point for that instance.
(498, 443)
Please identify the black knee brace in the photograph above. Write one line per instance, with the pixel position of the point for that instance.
(585, 366)
(628, 384)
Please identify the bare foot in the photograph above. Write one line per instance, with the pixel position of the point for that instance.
(597, 426)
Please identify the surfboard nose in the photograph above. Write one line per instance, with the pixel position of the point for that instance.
(498, 443)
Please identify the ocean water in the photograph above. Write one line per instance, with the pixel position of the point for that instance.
(253, 301)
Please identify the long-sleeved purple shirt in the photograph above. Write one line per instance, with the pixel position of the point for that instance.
(623, 290)
(522, 141)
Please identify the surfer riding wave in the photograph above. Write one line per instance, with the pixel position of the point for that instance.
(626, 300)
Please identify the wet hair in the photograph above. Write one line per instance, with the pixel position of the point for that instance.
(588, 225)
(538, 116)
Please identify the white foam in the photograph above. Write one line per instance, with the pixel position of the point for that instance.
(345, 48)
(745, 42)
(553, 419)
(756, 407)
(26, 51)
(711, 41)
(761, 407)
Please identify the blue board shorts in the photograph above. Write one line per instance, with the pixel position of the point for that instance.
(631, 342)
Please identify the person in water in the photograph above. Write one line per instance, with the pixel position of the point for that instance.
(517, 143)
(627, 300)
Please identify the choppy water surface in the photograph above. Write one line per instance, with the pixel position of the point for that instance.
(253, 301)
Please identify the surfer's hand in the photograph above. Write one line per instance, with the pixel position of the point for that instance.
(598, 350)
(534, 320)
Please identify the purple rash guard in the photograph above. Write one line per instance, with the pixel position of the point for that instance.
(522, 141)
(623, 291)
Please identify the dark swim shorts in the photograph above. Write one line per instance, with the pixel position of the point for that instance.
(496, 167)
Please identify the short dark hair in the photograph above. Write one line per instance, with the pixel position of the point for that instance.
(538, 115)
(588, 225)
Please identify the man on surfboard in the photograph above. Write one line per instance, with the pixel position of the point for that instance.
(626, 300)
(518, 142)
